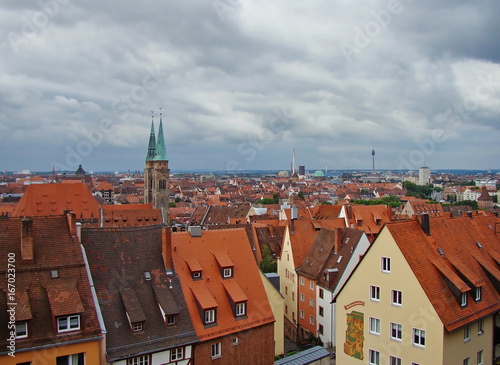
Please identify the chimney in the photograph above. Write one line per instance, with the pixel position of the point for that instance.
(338, 239)
(389, 213)
(71, 217)
(292, 226)
(348, 209)
(424, 223)
(166, 248)
(271, 230)
(27, 254)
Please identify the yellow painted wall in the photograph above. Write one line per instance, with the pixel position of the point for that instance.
(456, 350)
(277, 303)
(416, 310)
(49, 355)
(288, 287)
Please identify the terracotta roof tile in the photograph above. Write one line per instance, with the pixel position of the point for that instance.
(457, 238)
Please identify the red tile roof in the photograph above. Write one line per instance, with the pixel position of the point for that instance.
(463, 262)
(231, 246)
(53, 199)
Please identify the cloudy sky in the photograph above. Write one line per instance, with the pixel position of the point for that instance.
(243, 82)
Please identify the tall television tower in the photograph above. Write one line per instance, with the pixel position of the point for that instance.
(373, 161)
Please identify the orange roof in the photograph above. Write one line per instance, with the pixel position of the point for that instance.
(302, 239)
(370, 218)
(461, 259)
(53, 199)
(230, 246)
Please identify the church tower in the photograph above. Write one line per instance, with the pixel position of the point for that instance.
(157, 173)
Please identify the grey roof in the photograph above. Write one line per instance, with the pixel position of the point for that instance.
(305, 357)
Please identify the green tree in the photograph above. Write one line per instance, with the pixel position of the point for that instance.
(470, 203)
(177, 199)
(268, 263)
(276, 198)
(266, 201)
(171, 205)
(326, 203)
(301, 195)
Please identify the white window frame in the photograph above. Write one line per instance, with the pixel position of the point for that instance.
(311, 303)
(177, 354)
(466, 361)
(480, 327)
(241, 309)
(467, 333)
(463, 300)
(196, 274)
(137, 326)
(478, 294)
(397, 298)
(139, 360)
(385, 265)
(301, 314)
(71, 359)
(171, 320)
(375, 326)
(68, 326)
(210, 316)
(393, 360)
(227, 272)
(21, 330)
(216, 350)
(480, 357)
(311, 320)
(373, 357)
(418, 336)
(302, 281)
(399, 331)
(375, 293)
(311, 285)
(302, 297)
(236, 341)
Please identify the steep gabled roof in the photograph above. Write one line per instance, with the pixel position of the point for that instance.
(119, 259)
(40, 297)
(214, 248)
(54, 199)
(459, 265)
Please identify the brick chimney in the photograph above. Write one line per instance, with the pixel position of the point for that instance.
(389, 213)
(166, 248)
(27, 254)
(71, 217)
(423, 219)
(338, 239)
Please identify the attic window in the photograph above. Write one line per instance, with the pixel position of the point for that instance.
(171, 320)
(463, 302)
(68, 323)
(227, 272)
(339, 259)
(478, 294)
(479, 245)
(441, 252)
(196, 275)
(137, 327)
(54, 274)
(147, 275)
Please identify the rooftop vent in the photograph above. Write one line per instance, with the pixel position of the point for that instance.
(479, 245)
(195, 231)
(147, 275)
(441, 252)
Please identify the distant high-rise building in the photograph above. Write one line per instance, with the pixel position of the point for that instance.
(424, 176)
(157, 173)
(302, 170)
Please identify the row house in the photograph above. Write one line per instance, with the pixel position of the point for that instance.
(426, 292)
(327, 266)
(48, 312)
(140, 296)
(225, 296)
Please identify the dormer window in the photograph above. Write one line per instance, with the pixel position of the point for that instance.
(171, 320)
(478, 294)
(21, 330)
(463, 302)
(210, 316)
(241, 309)
(227, 272)
(196, 275)
(68, 323)
(137, 327)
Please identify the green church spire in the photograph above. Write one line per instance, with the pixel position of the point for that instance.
(161, 151)
(152, 142)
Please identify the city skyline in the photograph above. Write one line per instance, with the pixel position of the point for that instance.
(243, 83)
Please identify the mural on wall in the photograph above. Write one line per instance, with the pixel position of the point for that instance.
(354, 338)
